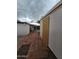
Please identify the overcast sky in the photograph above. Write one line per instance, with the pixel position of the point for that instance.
(33, 10)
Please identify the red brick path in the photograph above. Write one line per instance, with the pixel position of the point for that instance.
(36, 50)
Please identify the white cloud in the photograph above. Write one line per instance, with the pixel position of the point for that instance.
(37, 24)
(25, 19)
(34, 9)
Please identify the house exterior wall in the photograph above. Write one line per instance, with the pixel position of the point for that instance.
(41, 28)
(23, 29)
(44, 28)
(55, 32)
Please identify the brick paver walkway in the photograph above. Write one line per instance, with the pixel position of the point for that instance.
(36, 50)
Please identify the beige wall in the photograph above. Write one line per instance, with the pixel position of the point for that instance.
(44, 31)
(55, 32)
(41, 27)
